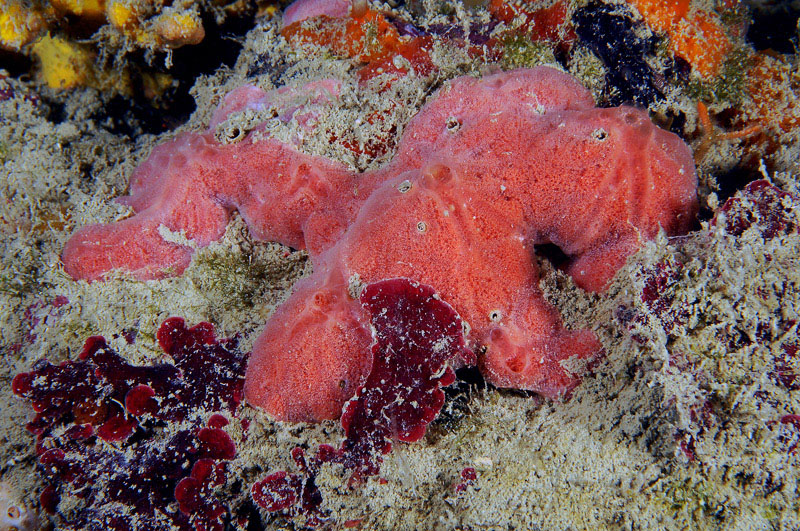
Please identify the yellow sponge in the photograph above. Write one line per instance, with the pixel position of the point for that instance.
(64, 64)
(174, 28)
(82, 8)
(18, 25)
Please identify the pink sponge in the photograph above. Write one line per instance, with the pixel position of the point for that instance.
(488, 169)
(303, 9)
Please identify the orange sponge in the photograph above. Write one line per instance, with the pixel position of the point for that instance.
(696, 35)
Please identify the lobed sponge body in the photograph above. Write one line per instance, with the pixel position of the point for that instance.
(488, 169)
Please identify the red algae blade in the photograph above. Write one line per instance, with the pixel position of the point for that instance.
(132, 479)
(416, 335)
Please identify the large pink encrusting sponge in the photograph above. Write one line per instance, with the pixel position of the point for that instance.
(488, 168)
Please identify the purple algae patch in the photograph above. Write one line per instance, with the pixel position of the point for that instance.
(469, 476)
(103, 437)
(787, 363)
(766, 210)
(659, 296)
(195, 494)
(790, 435)
(416, 334)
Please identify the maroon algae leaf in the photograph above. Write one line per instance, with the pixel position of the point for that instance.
(207, 375)
(133, 479)
(416, 335)
(760, 204)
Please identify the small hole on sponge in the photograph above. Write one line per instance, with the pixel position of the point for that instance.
(453, 124)
(404, 186)
(632, 118)
(321, 299)
(422, 226)
(515, 365)
(495, 316)
(233, 135)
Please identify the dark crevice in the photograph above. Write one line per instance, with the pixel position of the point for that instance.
(729, 183)
(552, 253)
(220, 47)
(457, 399)
(774, 27)
(612, 35)
(14, 63)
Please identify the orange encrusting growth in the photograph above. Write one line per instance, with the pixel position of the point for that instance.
(661, 15)
(540, 24)
(701, 40)
(774, 86)
(368, 38)
(696, 35)
(460, 207)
